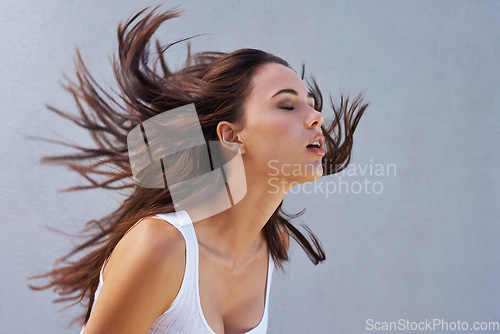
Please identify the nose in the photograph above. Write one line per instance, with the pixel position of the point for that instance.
(314, 118)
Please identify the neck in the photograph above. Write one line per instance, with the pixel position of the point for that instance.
(235, 234)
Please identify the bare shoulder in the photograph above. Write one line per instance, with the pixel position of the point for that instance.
(152, 237)
(285, 236)
(151, 243)
(141, 278)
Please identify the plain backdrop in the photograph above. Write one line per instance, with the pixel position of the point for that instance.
(413, 235)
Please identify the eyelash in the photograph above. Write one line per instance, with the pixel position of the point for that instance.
(291, 108)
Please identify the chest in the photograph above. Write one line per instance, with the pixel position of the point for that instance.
(232, 301)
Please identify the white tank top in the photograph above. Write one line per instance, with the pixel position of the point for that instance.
(185, 315)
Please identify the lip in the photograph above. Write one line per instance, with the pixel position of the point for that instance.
(320, 138)
(317, 150)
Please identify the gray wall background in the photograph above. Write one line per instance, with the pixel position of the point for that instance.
(425, 247)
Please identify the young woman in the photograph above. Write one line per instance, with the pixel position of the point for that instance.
(150, 266)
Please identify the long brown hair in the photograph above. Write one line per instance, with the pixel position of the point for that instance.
(217, 83)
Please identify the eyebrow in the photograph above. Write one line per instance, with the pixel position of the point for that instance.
(292, 91)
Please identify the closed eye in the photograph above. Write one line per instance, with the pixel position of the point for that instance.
(287, 108)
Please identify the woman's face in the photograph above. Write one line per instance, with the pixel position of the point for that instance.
(278, 125)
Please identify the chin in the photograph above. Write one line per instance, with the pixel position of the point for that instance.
(314, 177)
(311, 175)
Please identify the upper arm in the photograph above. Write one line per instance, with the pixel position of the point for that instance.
(141, 279)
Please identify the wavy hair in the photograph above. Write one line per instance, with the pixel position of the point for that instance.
(217, 83)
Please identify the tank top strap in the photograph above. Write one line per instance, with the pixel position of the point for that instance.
(183, 223)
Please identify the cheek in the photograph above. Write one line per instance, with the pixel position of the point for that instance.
(274, 149)
(271, 138)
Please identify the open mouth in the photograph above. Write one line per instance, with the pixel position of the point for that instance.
(316, 147)
(315, 143)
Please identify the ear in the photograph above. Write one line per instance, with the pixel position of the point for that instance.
(229, 136)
